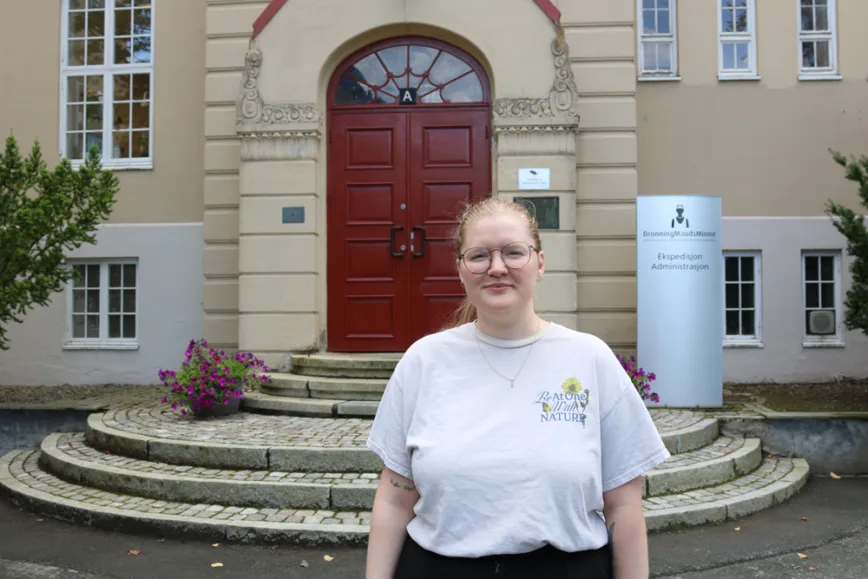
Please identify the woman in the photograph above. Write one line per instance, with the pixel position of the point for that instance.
(504, 437)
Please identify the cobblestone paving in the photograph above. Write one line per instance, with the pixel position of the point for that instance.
(26, 470)
(247, 429)
(718, 449)
(770, 471)
(74, 446)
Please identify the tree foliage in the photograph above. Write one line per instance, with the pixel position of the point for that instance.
(44, 214)
(853, 227)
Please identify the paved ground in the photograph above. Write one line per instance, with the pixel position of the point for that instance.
(834, 536)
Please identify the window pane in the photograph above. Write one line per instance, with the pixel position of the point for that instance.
(466, 89)
(727, 20)
(141, 3)
(142, 49)
(75, 118)
(812, 295)
(93, 140)
(821, 16)
(741, 20)
(748, 323)
(741, 53)
(822, 51)
(93, 301)
(807, 19)
(130, 275)
(114, 327)
(121, 145)
(732, 323)
(663, 22)
(94, 117)
(350, 92)
(664, 56)
(827, 268)
(123, 22)
(447, 68)
(812, 268)
(76, 52)
(114, 275)
(647, 3)
(96, 24)
(728, 56)
(141, 115)
(421, 58)
(142, 22)
(663, 4)
(129, 326)
(141, 86)
(732, 295)
(129, 301)
(123, 3)
(77, 326)
(93, 276)
(121, 115)
(77, 4)
(650, 56)
(76, 24)
(75, 146)
(649, 22)
(141, 144)
(827, 295)
(78, 300)
(747, 267)
(369, 70)
(114, 301)
(395, 59)
(75, 89)
(96, 4)
(94, 89)
(808, 57)
(748, 291)
(93, 326)
(123, 51)
(95, 50)
(122, 87)
(81, 271)
(731, 268)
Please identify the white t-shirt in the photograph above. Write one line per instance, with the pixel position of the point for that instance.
(505, 470)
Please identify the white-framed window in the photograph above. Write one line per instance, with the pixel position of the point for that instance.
(658, 46)
(107, 81)
(742, 297)
(821, 300)
(736, 45)
(818, 52)
(102, 305)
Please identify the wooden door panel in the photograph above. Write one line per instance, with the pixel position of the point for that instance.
(449, 167)
(367, 285)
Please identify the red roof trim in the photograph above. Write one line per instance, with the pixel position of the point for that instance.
(274, 7)
(550, 9)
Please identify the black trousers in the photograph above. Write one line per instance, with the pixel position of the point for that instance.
(415, 562)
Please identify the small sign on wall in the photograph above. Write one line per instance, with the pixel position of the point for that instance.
(538, 179)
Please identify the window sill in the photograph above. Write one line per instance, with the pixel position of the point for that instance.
(743, 345)
(120, 165)
(661, 78)
(830, 343)
(747, 76)
(115, 346)
(815, 76)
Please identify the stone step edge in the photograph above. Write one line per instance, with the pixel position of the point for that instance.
(202, 489)
(692, 437)
(267, 403)
(118, 520)
(733, 507)
(662, 481)
(338, 366)
(227, 456)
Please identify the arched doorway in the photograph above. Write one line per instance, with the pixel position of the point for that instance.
(409, 142)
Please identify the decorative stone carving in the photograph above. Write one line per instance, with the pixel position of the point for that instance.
(251, 110)
(280, 145)
(561, 106)
(525, 139)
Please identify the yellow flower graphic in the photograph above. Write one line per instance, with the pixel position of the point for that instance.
(572, 386)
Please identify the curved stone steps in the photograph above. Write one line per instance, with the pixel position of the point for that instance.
(68, 457)
(337, 388)
(265, 403)
(28, 486)
(346, 366)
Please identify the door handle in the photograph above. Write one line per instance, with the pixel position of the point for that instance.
(421, 241)
(392, 241)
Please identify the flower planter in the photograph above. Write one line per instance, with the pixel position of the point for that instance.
(219, 409)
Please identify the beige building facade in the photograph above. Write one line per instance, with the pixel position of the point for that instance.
(301, 197)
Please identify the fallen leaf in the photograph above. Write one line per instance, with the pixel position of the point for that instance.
(274, 548)
(305, 564)
(134, 552)
(802, 555)
(833, 475)
(215, 545)
(805, 519)
(328, 558)
(216, 564)
(812, 568)
(738, 528)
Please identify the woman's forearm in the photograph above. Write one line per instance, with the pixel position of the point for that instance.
(388, 532)
(629, 542)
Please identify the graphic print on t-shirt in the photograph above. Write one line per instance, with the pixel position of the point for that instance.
(566, 406)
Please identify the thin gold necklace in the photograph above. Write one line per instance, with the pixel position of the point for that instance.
(529, 350)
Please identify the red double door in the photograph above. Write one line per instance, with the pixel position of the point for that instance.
(397, 182)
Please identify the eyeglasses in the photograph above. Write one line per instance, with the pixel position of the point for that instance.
(515, 255)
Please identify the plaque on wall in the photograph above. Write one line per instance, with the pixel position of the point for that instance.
(546, 210)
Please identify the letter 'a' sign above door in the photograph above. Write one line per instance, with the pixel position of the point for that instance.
(407, 96)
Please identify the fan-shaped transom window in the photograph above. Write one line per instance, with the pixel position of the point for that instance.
(437, 75)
